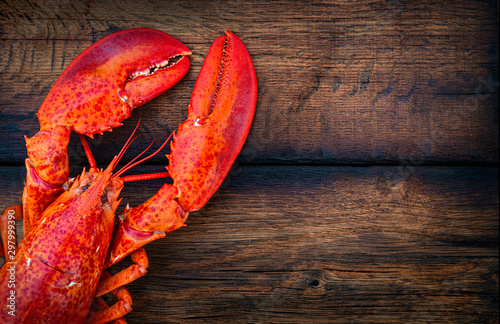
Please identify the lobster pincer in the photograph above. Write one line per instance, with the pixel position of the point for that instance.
(95, 93)
(220, 115)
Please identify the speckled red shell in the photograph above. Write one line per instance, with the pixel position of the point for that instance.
(95, 92)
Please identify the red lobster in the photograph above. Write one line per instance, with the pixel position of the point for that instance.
(70, 233)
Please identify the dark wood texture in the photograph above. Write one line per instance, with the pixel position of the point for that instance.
(326, 244)
(338, 82)
(367, 190)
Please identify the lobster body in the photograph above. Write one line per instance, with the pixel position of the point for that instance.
(61, 259)
(71, 235)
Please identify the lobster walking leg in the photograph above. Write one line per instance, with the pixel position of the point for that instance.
(114, 313)
(137, 270)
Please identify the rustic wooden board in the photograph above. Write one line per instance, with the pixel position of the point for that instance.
(387, 89)
(325, 244)
(339, 82)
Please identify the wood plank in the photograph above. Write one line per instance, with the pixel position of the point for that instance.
(376, 82)
(379, 82)
(325, 244)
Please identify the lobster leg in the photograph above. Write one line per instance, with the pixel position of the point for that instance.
(220, 114)
(137, 270)
(114, 313)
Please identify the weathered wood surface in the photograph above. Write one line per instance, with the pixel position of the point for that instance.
(397, 85)
(326, 244)
(339, 82)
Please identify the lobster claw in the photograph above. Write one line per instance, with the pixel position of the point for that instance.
(205, 147)
(221, 111)
(102, 85)
(95, 93)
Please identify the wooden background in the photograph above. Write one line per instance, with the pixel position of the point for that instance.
(367, 191)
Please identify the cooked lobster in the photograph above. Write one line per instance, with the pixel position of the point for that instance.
(71, 233)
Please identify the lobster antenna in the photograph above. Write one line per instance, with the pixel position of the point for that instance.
(125, 148)
(127, 143)
(128, 167)
(140, 177)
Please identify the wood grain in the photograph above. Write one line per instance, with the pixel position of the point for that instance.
(367, 190)
(325, 244)
(377, 82)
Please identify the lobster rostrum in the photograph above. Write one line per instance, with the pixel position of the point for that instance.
(70, 232)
